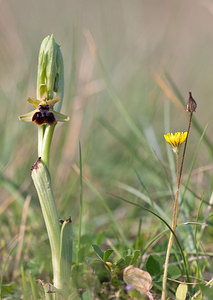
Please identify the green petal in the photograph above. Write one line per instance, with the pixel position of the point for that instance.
(53, 101)
(34, 102)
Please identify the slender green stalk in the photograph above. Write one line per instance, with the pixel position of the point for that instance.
(24, 285)
(184, 150)
(46, 144)
(33, 288)
(41, 130)
(191, 106)
(171, 239)
(66, 255)
(81, 207)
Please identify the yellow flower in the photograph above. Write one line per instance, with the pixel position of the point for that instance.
(175, 140)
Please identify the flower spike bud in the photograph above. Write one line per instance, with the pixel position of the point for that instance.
(50, 79)
(191, 104)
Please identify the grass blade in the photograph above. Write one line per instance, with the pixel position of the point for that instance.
(169, 227)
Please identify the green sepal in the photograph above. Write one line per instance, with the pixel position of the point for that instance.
(28, 117)
(60, 117)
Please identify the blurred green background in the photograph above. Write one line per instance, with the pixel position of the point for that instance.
(106, 105)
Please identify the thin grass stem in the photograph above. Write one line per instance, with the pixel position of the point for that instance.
(184, 150)
(175, 211)
(171, 239)
(81, 206)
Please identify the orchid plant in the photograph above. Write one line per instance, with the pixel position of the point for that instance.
(50, 90)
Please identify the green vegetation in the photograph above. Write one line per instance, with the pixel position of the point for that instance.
(109, 167)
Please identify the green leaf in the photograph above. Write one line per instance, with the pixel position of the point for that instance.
(154, 265)
(128, 259)
(34, 287)
(86, 296)
(66, 250)
(8, 288)
(121, 263)
(107, 254)
(181, 291)
(42, 182)
(173, 272)
(98, 251)
(207, 291)
(135, 256)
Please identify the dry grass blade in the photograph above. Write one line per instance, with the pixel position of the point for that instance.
(168, 92)
(6, 203)
(86, 87)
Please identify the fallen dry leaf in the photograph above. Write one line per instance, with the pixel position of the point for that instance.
(138, 279)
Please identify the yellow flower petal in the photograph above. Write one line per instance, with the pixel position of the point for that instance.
(175, 140)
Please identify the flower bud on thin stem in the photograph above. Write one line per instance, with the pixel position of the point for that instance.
(191, 104)
(190, 107)
(50, 84)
